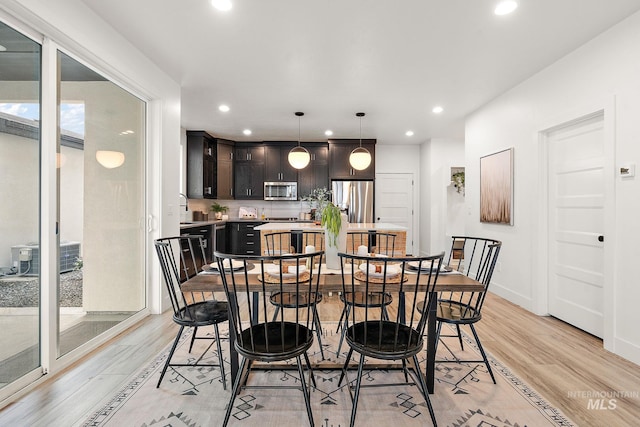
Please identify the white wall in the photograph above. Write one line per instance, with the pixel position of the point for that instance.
(603, 74)
(442, 207)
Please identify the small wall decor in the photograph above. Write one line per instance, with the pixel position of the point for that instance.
(496, 187)
(457, 179)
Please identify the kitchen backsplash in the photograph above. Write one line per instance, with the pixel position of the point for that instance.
(272, 209)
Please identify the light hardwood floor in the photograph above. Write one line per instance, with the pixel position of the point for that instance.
(556, 359)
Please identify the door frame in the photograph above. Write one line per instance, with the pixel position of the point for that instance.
(540, 246)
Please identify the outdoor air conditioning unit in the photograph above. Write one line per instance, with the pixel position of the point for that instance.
(27, 257)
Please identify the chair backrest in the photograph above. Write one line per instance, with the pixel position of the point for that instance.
(261, 276)
(177, 256)
(475, 257)
(293, 242)
(382, 243)
(408, 279)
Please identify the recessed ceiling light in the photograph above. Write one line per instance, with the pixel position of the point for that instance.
(505, 7)
(409, 133)
(247, 132)
(223, 5)
(223, 108)
(437, 109)
(328, 132)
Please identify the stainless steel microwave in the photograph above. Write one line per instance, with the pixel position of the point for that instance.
(281, 191)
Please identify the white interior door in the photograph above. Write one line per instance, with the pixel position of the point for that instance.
(394, 202)
(576, 223)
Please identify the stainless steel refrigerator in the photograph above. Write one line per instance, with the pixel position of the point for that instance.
(355, 198)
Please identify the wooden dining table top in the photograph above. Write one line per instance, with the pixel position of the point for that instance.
(212, 282)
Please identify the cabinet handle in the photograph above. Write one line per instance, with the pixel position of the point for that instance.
(207, 190)
(249, 243)
(248, 156)
(250, 234)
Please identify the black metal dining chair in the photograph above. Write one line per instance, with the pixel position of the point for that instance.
(259, 336)
(377, 243)
(178, 258)
(295, 241)
(474, 257)
(399, 337)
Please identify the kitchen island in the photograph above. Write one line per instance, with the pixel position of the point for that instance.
(400, 246)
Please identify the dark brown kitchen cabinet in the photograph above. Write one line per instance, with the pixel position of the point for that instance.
(248, 175)
(243, 239)
(339, 151)
(201, 165)
(277, 167)
(225, 169)
(207, 234)
(316, 174)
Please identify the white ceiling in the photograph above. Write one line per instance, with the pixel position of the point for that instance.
(392, 59)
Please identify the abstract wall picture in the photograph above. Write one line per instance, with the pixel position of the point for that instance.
(496, 187)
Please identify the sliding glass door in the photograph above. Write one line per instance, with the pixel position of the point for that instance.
(20, 207)
(101, 204)
(64, 282)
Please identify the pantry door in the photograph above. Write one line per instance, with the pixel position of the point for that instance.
(394, 202)
(576, 223)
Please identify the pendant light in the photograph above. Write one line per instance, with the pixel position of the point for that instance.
(360, 158)
(299, 157)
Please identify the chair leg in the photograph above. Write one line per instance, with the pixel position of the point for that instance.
(404, 369)
(275, 313)
(438, 330)
(344, 328)
(345, 366)
(357, 392)
(484, 355)
(344, 309)
(305, 391)
(318, 326)
(313, 379)
(193, 337)
(423, 389)
(234, 392)
(220, 358)
(460, 337)
(173, 348)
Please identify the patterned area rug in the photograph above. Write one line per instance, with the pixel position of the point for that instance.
(194, 397)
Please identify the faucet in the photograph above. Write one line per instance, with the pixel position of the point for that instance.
(186, 201)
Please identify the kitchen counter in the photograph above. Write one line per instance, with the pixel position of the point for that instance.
(277, 226)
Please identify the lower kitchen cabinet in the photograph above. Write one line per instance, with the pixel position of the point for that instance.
(243, 239)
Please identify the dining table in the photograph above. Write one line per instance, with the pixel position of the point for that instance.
(331, 281)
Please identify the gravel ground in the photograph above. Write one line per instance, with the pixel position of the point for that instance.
(24, 291)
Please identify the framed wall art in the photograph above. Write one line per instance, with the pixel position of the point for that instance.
(496, 187)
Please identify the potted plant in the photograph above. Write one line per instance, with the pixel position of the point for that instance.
(218, 210)
(335, 229)
(317, 199)
(458, 181)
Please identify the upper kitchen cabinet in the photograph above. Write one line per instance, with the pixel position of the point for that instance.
(339, 151)
(316, 174)
(225, 169)
(201, 165)
(277, 167)
(248, 176)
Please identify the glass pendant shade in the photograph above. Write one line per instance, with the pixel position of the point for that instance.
(110, 159)
(299, 157)
(360, 158)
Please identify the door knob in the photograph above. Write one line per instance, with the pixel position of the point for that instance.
(600, 238)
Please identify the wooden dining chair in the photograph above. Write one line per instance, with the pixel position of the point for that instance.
(259, 336)
(398, 337)
(377, 243)
(178, 258)
(474, 257)
(295, 241)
